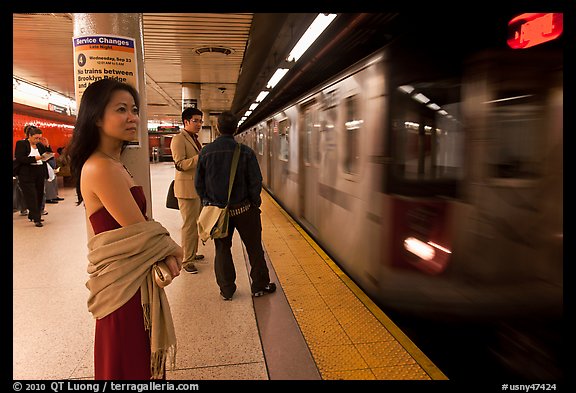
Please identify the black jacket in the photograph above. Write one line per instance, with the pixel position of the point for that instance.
(21, 156)
(213, 172)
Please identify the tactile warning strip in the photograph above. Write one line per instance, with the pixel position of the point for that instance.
(348, 335)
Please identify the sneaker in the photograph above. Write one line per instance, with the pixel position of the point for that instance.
(24, 213)
(38, 224)
(197, 257)
(190, 268)
(270, 288)
(224, 297)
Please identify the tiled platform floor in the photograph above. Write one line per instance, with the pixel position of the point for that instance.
(318, 325)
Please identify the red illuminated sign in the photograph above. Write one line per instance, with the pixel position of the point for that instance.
(527, 30)
(168, 128)
(57, 108)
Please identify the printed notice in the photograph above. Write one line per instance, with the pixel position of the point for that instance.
(103, 56)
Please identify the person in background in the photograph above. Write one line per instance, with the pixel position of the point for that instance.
(134, 333)
(185, 148)
(32, 171)
(62, 163)
(51, 186)
(211, 184)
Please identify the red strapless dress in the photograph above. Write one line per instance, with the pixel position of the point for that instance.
(121, 343)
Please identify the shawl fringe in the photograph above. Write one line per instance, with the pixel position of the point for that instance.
(159, 358)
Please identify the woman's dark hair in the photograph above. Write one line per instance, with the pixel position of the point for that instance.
(31, 129)
(86, 136)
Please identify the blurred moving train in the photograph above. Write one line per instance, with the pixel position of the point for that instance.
(432, 173)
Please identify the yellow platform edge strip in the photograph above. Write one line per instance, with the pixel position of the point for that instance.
(427, 365)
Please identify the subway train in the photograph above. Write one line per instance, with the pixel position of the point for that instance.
(431, 172)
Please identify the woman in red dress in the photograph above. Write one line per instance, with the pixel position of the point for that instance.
(124, 346)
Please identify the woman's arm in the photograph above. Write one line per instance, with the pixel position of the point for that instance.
(44, 146)
(106, 184)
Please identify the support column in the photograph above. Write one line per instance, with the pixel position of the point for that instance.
(135, 157)
(191, 96)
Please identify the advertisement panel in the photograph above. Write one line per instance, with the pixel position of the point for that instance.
(104, 56)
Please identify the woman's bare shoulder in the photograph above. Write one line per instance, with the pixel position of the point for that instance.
(106, 183)
(96, 168)
(99, 174)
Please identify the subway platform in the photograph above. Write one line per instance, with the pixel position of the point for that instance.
(318, 325)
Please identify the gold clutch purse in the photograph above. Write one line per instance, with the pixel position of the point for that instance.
(162, 274)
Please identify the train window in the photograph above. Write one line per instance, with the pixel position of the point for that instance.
(311, 136)
(353, 126)
(308, 128)
(270, 129)
(515, 123)
(427, 134)
(283, 135)
(316, 137)
(260, 140)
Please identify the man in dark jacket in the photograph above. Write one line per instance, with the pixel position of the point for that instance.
(211, 182)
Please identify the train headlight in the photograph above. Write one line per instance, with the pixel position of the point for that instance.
(419, 248)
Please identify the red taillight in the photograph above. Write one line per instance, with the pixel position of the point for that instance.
(527, 30)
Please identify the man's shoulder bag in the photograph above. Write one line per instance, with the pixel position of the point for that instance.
(171, 200)
(213, 220)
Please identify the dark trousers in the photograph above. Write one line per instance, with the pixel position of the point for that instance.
(18, 203)
(249, 227)
(31, 180)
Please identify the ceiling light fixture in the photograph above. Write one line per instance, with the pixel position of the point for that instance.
(279, 74)
(316, 28)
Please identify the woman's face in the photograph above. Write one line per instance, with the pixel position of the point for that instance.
(120, 120)
(35, 138)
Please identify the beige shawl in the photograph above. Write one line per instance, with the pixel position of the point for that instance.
(120, 262)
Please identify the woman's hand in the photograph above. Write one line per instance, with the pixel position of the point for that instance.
(174, 265)
(179, 254)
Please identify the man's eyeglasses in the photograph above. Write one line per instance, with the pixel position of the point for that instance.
(197, 121)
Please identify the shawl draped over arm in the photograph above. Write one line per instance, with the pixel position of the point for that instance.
(120, 263)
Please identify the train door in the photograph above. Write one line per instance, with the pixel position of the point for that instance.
(515, 186)
(282, 159)
(310, 160)
(427, 167)
(270, 152)
(259, 138)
